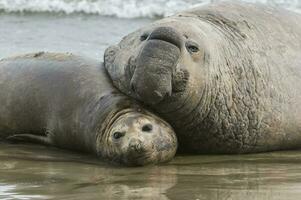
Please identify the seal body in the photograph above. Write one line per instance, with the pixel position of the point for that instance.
(68, 101)
(225, 76)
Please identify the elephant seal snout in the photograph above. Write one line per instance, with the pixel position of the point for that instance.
(156, 64)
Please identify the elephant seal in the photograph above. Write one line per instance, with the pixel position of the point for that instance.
(68, 101)
(225, 76)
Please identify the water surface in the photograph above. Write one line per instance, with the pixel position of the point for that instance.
(87, 35)
(123, 8)
(38, 172)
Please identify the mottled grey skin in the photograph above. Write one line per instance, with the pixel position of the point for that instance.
(226, 76)
(69, 102)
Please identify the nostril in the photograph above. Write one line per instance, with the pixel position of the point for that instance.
(133, 88)
(133, 147)
(136, 145)
(147, 128)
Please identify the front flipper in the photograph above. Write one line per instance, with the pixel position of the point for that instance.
(30, 138)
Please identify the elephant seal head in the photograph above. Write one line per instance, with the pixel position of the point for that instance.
(136, 138)
(159, 62)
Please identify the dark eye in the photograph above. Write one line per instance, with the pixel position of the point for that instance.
(143, 37)
(118, 135)
(147, 128)
(192, 47)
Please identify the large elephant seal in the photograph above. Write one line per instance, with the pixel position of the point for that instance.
(69, 102)
(226, 76)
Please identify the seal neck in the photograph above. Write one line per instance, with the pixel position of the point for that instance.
(101, 116)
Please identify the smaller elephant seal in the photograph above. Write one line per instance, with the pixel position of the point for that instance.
(225, 76)
(68, 101)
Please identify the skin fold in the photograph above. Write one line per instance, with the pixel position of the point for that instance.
(225, 76)
(68, 101)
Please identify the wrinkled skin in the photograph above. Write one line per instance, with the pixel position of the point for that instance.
(68, 101)
(225, 76)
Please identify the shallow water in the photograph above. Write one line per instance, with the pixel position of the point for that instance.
(87, 35)
(37, 172)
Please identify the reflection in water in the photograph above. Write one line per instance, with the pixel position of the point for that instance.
(29, 171)
(274, 175)
(7, 192)
(37, 172)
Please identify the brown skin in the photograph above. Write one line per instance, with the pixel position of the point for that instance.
(68, 101)
(225, 76)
